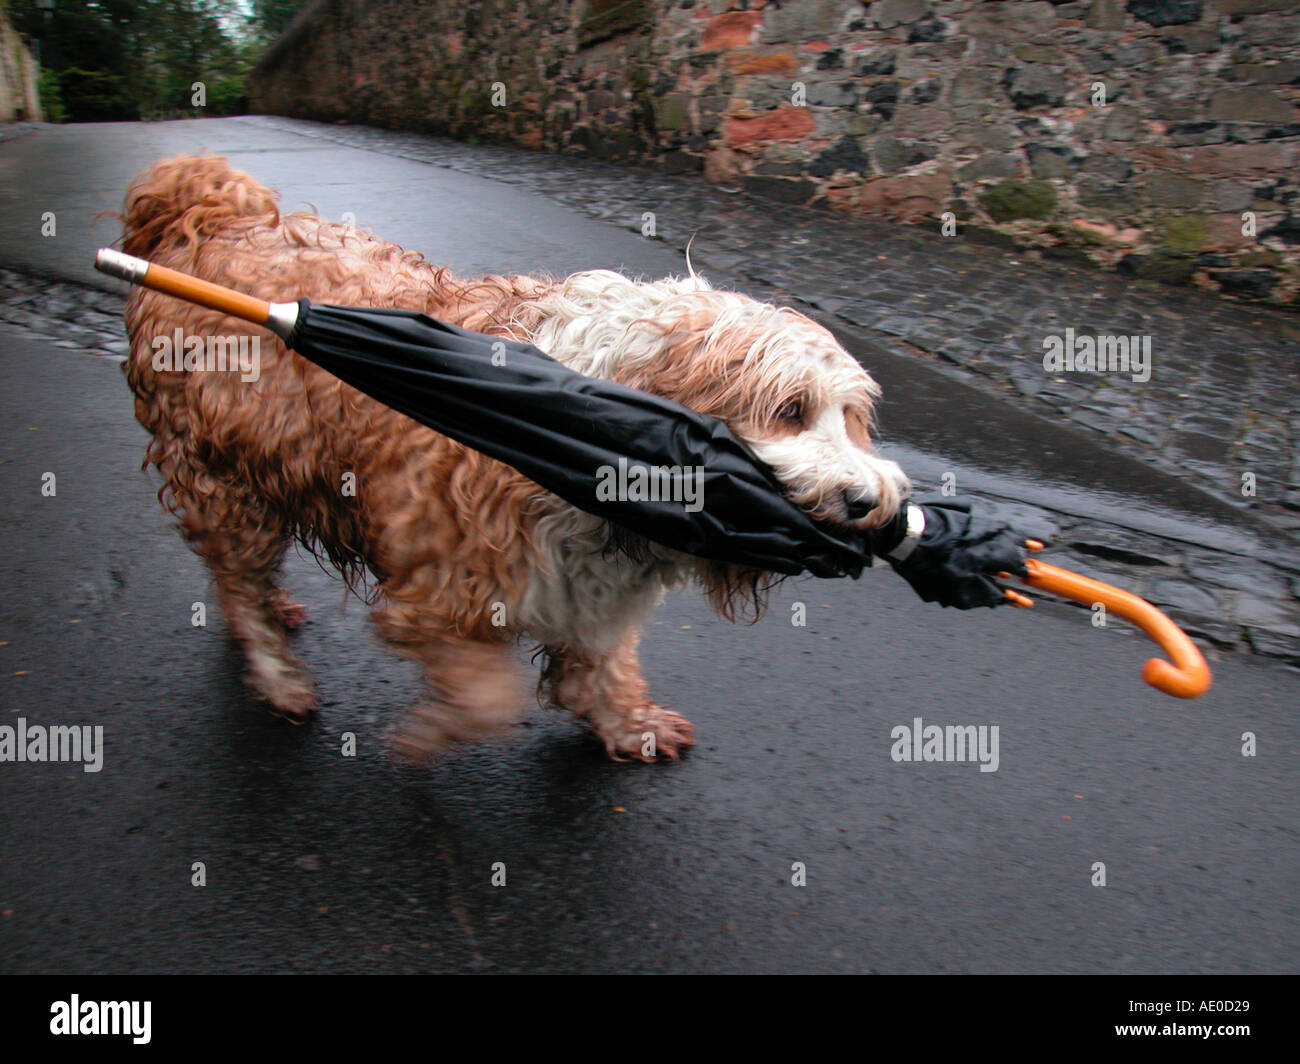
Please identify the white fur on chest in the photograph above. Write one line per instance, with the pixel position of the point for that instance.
(582, 597)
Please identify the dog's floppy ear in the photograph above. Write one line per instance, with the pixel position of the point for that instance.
(622, 543)
(737, 593)
(186, 200)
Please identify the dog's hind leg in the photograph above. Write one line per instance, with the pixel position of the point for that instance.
(273, 671)
(613, 695)
(242, 543)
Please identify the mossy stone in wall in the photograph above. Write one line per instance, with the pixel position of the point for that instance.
(1008, 200)
(1184, 235)
(672, 111)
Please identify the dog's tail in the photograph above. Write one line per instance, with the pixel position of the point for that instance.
(180, 202)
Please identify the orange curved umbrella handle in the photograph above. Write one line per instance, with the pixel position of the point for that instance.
(1187, 677)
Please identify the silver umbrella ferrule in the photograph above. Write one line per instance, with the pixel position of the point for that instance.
(120, 265)
(282, 319)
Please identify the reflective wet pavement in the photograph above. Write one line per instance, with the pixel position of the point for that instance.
(319, 862)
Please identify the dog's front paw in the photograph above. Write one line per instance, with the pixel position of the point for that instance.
(286, 687)
(651, 733)
(295, 705)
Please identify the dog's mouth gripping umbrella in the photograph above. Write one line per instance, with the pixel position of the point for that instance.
(566, 432)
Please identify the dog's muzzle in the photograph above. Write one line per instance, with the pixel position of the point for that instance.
(858, 505)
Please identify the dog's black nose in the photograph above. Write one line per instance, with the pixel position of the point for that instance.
(858, 506)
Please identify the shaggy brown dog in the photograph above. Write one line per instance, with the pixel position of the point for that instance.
(469, 556)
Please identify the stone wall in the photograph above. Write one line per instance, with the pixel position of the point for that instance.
(20, 100)
(1159, 137)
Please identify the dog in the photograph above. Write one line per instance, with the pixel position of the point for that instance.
(462, 557)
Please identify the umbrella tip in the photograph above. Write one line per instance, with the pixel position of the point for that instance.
(120, 265)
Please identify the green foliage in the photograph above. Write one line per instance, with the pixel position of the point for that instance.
(96, 95)
(51, 97)
(272, 17)
(227, 96)
(126, 59)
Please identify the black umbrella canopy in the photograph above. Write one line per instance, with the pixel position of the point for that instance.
(605, 448)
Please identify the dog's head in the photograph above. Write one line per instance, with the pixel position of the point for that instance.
(778, 380)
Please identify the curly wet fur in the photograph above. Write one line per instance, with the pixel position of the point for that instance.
(463, 556)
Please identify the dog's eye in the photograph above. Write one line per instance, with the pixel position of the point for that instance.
(791, 412)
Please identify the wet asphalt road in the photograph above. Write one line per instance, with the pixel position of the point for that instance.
(317, 862)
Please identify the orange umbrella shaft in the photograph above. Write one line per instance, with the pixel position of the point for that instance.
(207, 294)
(278, 317)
